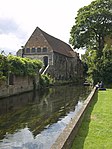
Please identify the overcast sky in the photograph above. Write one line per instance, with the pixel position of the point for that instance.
(19, 18)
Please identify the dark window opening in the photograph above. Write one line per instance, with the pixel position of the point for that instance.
(45, 59)
(38, 49)
(45, 49)
(27, 50)
(33, 50)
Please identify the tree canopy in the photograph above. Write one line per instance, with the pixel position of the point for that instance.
(93, 31)
(92, 25)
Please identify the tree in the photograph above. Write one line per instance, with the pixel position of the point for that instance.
(99, 69)
(105, 67)
(90, 59)
(92, 25)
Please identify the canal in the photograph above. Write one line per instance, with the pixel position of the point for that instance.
(34, 120)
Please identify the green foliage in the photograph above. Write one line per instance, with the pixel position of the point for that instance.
(99, 69)
(106, 65)
(89, 59)
(45, 80)
(2, 77)
(18, 66)
(3, 65)
(92, 24)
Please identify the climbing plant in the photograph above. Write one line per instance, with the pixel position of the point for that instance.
(18, 66)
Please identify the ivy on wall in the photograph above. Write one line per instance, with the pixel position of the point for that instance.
(18, 66)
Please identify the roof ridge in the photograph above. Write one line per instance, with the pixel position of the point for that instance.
(68, 51)
(54, 43)
(54, 37)
(44, 36)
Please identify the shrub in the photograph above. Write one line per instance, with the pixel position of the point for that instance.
(45, 80)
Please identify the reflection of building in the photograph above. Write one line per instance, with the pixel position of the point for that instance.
(58, 57)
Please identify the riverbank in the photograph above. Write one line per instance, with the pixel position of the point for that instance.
(65, 139)
(96, 128)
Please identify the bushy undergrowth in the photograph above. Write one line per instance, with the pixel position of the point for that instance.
(45, 80)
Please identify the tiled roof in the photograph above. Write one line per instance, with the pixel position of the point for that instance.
(56, 44)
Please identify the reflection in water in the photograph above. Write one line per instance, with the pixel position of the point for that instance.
(34, 120)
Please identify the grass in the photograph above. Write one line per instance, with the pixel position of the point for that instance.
(96, 128)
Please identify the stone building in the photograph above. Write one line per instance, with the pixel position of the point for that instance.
(60, 61)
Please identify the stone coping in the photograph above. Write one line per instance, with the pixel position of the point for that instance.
(65, 139)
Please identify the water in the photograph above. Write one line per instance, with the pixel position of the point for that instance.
(35, 120)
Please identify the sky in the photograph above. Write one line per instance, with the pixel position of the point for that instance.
(19, 18)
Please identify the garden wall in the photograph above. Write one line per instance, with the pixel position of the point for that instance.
(20, 84)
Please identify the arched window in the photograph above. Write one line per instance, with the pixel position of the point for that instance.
(45, 60)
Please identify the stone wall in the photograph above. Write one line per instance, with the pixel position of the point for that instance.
(65, 68)
(61, 67)
(20, 84)
(41, 56)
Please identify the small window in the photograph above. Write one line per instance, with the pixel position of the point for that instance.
(33, 50)
(38, 49)
(27, 50)
(44, 49)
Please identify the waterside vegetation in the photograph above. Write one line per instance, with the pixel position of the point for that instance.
(22, 67)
